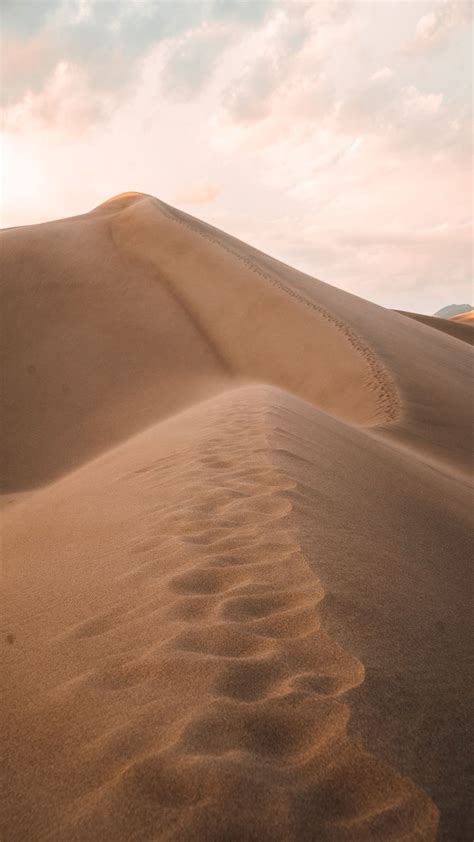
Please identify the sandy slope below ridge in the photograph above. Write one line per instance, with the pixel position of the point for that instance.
(391, 540)
(167, 637)
(99, 345)
(414, 381)
(452, 327)
(92, 351)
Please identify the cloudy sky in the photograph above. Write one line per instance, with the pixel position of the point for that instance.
(333, 135)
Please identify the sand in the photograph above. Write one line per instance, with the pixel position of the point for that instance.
(459, 327)
(236, 537)
(464, 317)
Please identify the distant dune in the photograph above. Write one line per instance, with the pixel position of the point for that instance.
(236, 545)
(467, 318)
(460, 327)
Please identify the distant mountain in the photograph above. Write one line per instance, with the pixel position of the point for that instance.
(453, 310)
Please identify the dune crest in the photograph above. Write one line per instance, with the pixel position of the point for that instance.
(355, 386)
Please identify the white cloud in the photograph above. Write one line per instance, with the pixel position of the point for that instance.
(434, 28)
(79, 11)
(197, 194)
(193, 58)
(66, 102)
(382, 74)
(286, 70)
(414, 103)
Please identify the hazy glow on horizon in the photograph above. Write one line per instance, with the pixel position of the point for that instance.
(333, 135)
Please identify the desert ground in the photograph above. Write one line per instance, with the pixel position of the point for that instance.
(236, 545)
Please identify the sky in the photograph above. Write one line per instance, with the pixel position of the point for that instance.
(333, 135)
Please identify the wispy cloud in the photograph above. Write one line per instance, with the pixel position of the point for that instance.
(109, 40)
(382, 74)
(434, 28)
(66, 103)
(193, 58)
(197, 194)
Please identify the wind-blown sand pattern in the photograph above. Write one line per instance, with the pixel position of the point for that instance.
(234, 579)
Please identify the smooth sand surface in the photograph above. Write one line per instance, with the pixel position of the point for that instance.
(464, 317)
(456, 326)
(236, 546)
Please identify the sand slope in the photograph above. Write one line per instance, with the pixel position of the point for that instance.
(457, 327)
(464, 317)
(235, 563)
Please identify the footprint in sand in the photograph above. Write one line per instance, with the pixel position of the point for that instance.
(205, 580)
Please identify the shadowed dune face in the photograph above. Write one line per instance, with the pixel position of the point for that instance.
(92, 350)
(394, 570)
(98, 342)
(411, 389)
(118, 318)
(264, 328)
(236, 602)
(457, 326)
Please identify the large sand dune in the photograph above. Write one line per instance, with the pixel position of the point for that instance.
(236, 545)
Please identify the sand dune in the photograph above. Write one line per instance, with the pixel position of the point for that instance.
(457, 327)
(464, 317)
(235, 545)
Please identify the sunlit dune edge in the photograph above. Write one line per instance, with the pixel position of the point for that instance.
(467, 318)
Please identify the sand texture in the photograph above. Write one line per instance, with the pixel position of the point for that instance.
(236, 545)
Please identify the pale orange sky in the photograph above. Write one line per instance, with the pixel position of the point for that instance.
(333, 135)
